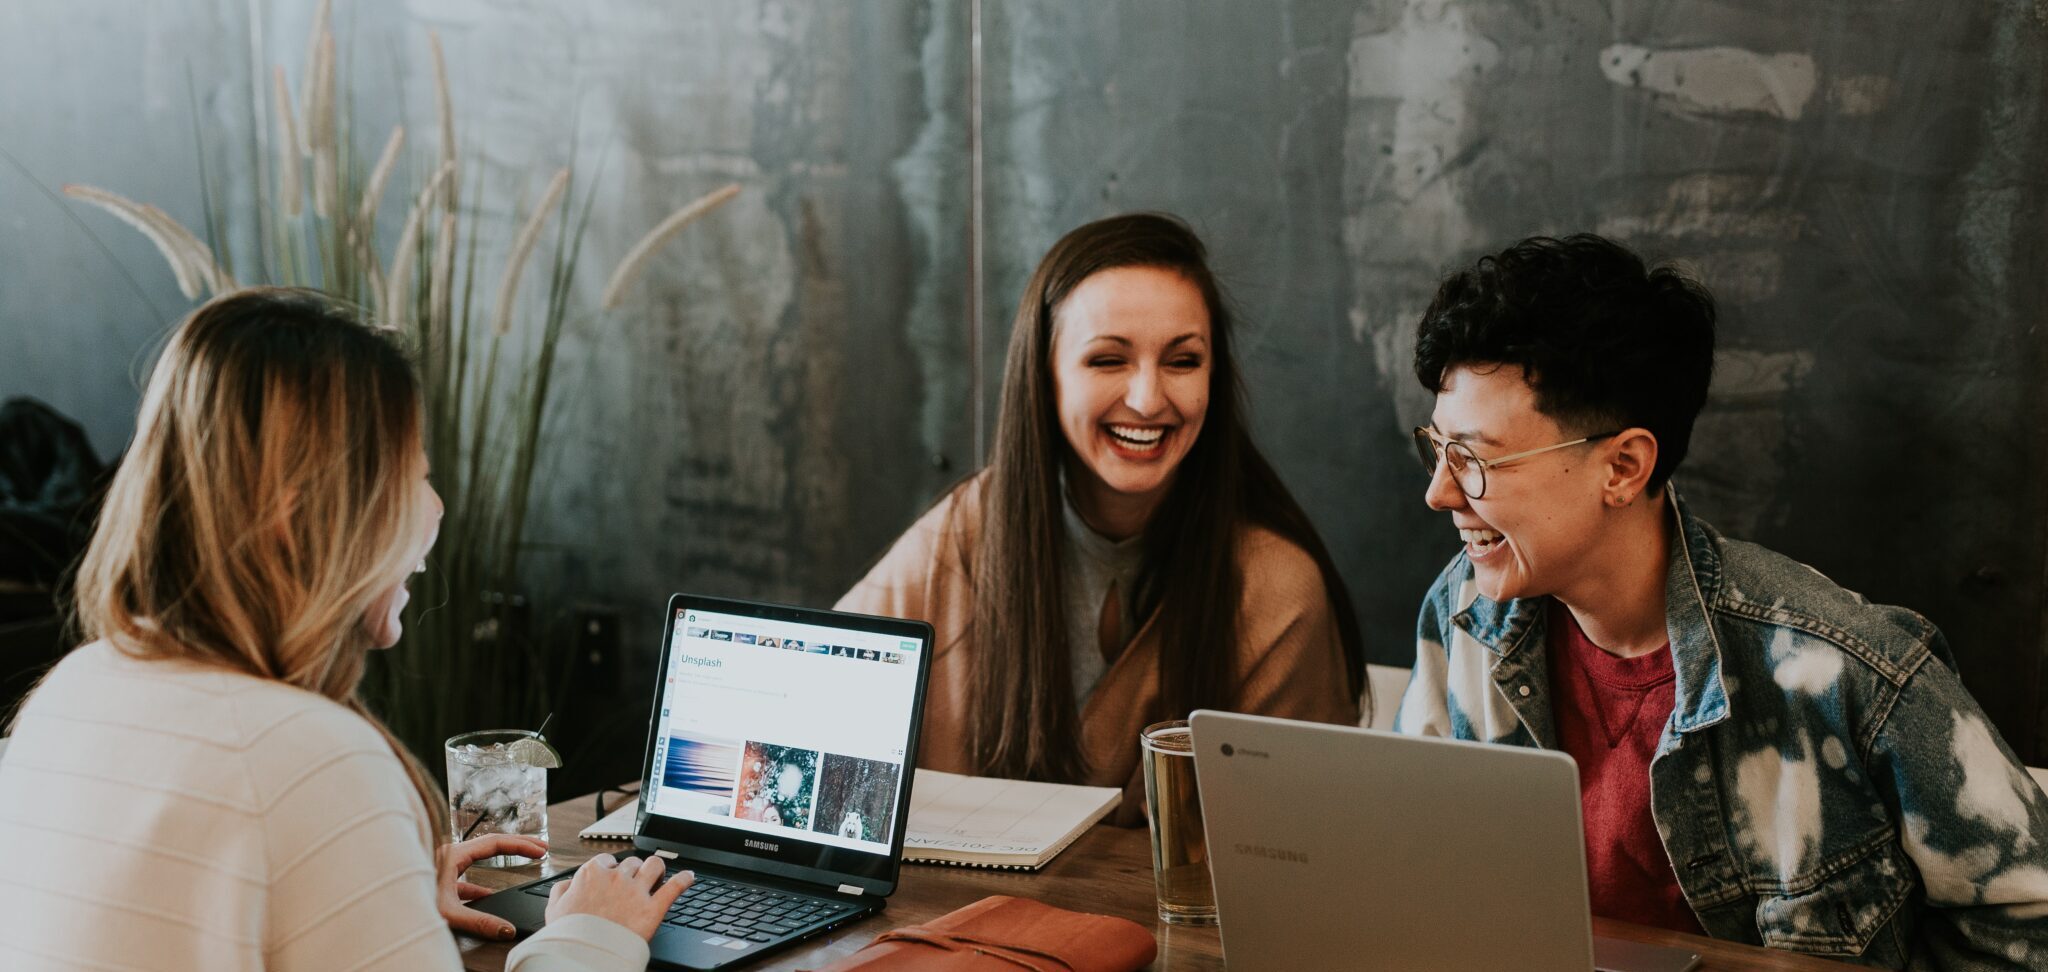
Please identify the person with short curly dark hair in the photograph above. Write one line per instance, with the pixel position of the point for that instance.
(1604, 341)
(1763, 756)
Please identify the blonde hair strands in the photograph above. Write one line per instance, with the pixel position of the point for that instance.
(267, 502)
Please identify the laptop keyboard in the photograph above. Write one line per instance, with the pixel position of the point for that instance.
(737, 911)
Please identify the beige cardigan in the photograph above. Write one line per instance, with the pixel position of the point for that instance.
(1288, 648)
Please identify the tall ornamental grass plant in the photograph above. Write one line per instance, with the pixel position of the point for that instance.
(486, 357)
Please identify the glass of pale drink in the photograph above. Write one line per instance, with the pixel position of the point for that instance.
(498, 784)
(1173, 807)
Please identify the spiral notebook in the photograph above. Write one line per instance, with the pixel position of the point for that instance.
(973, 821)
(980, 822)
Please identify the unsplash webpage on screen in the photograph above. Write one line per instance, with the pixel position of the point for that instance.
(786, 729)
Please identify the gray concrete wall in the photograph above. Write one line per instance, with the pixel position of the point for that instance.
(774, 401)
(96, 92)
(779, 397)
(1861, 185)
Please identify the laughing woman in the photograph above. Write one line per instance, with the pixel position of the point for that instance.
(199, 786)
(1127, 555)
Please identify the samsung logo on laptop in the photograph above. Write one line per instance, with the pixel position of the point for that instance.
(761, 845)
(1273, 853)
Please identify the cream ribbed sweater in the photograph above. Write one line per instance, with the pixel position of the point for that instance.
(157, 815)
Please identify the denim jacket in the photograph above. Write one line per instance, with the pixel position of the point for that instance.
(1824, 784)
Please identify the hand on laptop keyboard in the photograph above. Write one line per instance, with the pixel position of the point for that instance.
(732, 910)
(631, 894)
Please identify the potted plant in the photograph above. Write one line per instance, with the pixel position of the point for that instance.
(486, 360)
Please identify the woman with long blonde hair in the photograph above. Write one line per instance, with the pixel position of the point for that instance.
(199, 785)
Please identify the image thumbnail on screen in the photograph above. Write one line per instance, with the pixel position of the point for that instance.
(776, 785)
(703, 767)
(856, 798)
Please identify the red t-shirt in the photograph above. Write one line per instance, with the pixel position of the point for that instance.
(1609, 713)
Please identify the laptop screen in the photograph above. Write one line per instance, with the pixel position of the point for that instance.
(784, 731)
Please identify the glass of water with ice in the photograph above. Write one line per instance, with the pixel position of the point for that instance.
(498, 784)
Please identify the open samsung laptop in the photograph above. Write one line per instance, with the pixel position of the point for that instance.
(1334, 847)
(777, 768)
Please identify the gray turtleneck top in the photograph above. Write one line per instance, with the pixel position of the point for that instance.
(1091, 564)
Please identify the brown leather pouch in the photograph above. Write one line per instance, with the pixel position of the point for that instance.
(1005, 934)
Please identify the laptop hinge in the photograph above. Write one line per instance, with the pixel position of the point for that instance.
(666, 855)
(849, 889)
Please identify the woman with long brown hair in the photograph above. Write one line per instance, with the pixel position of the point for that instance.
(199, 786)
(1127, 555)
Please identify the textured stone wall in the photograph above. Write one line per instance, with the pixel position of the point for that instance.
(1862, 185)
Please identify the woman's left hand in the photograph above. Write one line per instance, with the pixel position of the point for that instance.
(452, 890)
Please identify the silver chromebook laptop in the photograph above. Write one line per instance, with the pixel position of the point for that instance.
(1342, 848)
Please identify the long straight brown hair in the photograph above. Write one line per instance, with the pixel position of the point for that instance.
(267, 502)
(1024, 721)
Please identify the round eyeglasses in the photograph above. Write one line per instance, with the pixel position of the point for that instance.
(1468, 470)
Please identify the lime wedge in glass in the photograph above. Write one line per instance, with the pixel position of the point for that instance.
(534, 751)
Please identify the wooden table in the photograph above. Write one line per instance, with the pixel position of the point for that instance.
(1107, 871)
